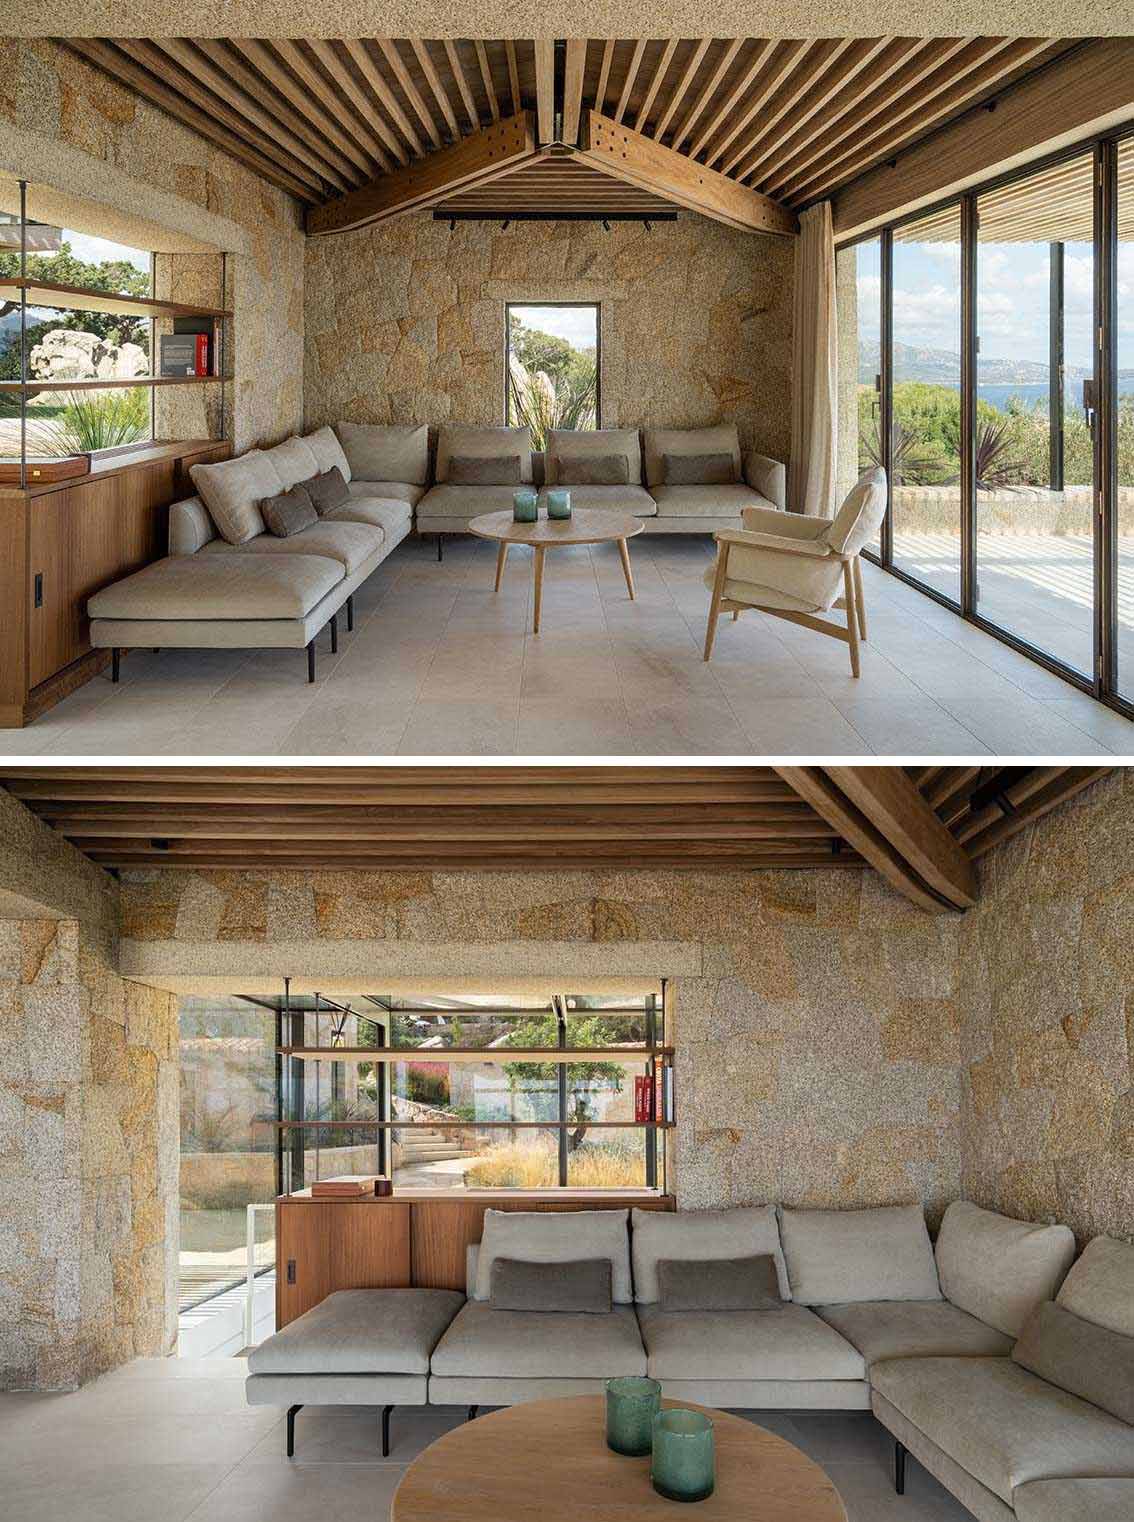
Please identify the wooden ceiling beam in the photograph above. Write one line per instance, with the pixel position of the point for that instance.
(796, 82)
(1072, 780)
(389, 50)
(661, 70)
(680, 90)
(573, 74)
(513, 75)
(764, 50)
(433, 80)
(364, 111)
(377, 82)
(631, 76)
(466, 94)
(545, 89)
(482, 156)
(604, 74)
(261, 57)
(486, 78)
(217, 126)
(616, 150)
(579, 862)
(355, 129)
(708, 91)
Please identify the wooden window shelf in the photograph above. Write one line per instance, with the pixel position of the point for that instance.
(474, 1053)
(111, 385)
(470, 1125)
(78, 298)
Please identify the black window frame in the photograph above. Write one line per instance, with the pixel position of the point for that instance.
(509, 307)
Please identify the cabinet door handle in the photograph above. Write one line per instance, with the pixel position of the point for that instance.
(39, 589)
(291, 1270)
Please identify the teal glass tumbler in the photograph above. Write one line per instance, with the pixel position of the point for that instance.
(631, 1405)
(525, 506)
(558, 502)
(683, 1467)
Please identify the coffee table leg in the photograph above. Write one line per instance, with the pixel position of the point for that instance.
(539, 548)
(624, 551)
(501, 557)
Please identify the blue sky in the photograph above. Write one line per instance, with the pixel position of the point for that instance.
(575, 324)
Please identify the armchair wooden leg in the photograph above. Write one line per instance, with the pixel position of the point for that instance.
(859, 597)
(735, 614)
(715, 604)
(852, 616)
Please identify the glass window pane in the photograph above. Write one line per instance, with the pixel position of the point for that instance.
(1034, 436)
(925, 489)
(553, 367)
(607, 1159)
(1124, 432)
(859, 280)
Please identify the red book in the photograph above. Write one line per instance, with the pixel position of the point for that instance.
(640, 1099)
(202, 354)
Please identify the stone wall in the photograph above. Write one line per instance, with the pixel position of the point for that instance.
(1047, 1019)
(405, 322)
(131, 172)
(816, 1027)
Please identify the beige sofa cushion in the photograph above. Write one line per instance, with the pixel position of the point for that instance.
(388, 491)
(361, 1331)
(232, 586)
(1088, 1360)
(789, 1343)
(1002, 1424)
(634, 500)
(484, 1343)
(1100, 1286)
(392, 517)
(999, 1269)
(844, 1256)
(1075, 1501)
(882, 1329)
(564, 444)
(350, 543)
(383, 453)
(232, 490)
(723, 439)
(293, 461)
(694, 1235)
(546, 1237)
(483, 443)
(705, 501)
(324, 445)
(463, 502)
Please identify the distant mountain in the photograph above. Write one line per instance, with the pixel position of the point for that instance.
(943, 367)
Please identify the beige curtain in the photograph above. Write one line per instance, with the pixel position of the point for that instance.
(811, 474)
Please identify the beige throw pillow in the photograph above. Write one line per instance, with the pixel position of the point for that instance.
(233, 490)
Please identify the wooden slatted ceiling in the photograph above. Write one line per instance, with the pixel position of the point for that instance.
(557, 184)
(920, 827)
(793, 119)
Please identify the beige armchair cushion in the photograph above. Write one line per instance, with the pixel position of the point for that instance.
(483, 443)
(382, 453)
(861, 514)
(723, 439)
(566, 444)
(232, 490)
(762, 576)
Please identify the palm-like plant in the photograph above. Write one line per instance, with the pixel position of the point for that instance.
(995, 469)
(542, 404)
(99, 420)
(912, 461)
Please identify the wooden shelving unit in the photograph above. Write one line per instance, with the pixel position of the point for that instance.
(79, 298)
(126, 384)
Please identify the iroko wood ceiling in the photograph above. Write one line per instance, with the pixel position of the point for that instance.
(790, 119)
(921, 827)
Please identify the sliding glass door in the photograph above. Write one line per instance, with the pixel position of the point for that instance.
(864, 380)
(1036, 410)
(1123, 432)
(925, 436)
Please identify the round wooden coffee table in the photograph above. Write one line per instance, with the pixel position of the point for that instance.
(586, 525)
(547, 1461)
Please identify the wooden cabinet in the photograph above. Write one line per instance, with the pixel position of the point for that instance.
(59, 544)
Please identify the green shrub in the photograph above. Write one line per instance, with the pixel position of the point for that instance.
(92, 420)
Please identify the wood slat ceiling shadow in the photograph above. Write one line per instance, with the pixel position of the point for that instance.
(792, 119)
(920, 827)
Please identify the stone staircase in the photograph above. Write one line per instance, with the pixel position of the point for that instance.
(426, 1145)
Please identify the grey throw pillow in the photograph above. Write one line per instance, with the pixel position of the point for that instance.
(583, 1284)
(487, 470)
(719, 1284)
(699, 469)
(327, 490)
(591, 470)
(1086, 1360)
(288, 512)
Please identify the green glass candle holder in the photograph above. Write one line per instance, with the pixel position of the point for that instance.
(525, 506)
(631, 1405)
(558, 502)
(683, 1466)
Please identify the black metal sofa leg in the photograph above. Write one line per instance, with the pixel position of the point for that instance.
(386, 1431)
(439, 547)
(899, 1467)
(334, 634)
(350, 614)
(291, 1411)
(115, 664)
(311, 661)
(472, 1413)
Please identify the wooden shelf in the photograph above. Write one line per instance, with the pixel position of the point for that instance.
(609, 1197)
(110, 385)
(467, 1125)
(78, 298)
(474, 1053)
(120, 463)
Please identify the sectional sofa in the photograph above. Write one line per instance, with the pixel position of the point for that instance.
(1008, 1377)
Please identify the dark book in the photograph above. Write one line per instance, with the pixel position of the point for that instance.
(178, 353)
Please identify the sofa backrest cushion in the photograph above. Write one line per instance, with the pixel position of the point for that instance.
(293, 461)
(484, 443)
(839, 1257)
(568, 447)
(696, 1235)
(554, 1237)
(1100, 1286)
(999, 1269)
(572, 1286)
(233, 490)
(723, 439)
(190, 527)
(720, 1284)
(858, 519)
(378, 452)
(325, 446)
(1080, 1357)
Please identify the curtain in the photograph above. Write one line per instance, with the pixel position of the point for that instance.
(811, 476)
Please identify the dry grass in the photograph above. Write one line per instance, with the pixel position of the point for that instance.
(517, 1165)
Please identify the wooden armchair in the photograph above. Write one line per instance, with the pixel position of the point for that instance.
(794, 567)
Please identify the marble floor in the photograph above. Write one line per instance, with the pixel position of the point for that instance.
(438, 665)
(172, 1439)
